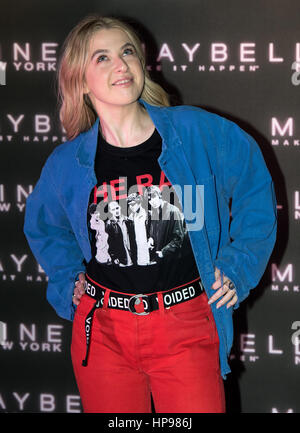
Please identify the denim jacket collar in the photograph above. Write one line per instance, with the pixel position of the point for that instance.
(88, 140)
(87, 146)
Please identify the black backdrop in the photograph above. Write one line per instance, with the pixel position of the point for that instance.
(234, 57)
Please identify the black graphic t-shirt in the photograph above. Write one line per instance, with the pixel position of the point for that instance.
(136, 226)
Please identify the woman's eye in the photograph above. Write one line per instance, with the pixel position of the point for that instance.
(101, 58)
(128, 51)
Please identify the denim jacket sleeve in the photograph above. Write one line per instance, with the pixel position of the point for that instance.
(53, 243)
(247, 182)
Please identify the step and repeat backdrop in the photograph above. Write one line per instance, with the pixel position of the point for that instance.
(237, 58)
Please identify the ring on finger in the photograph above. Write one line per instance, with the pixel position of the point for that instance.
(225, 288)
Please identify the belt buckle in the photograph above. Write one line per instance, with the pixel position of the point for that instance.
(143, 313)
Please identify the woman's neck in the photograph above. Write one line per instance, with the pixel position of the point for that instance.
(126, 126)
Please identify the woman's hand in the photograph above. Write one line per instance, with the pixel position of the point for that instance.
(79, 289)
(227, 290)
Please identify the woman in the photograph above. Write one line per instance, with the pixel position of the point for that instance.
(165, 327)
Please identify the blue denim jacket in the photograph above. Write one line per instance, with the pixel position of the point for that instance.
(198, 148)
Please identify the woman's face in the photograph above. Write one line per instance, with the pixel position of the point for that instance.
(114, 74)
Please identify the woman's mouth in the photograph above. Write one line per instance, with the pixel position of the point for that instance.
(125, 82)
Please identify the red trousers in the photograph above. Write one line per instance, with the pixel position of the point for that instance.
(170, 353)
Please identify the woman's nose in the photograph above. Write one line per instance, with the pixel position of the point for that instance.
(121, 65)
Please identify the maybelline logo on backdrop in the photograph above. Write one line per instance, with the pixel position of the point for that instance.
(247, 345)
(220, 56)
(44, 402)
(30, 338)
(283, 133)
(297, 205)
(19, 195)
(15, 266)
(29, 57)
(283, 278)
(41, 127)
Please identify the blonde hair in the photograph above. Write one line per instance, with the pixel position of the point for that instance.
(76, 111)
